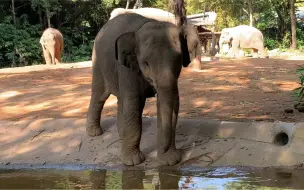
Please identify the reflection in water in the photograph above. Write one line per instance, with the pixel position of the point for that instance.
(218, 178)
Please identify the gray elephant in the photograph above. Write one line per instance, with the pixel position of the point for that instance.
(134, 58)
(243, 36)
(165, 16)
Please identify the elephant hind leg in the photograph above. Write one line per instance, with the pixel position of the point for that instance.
(98, 98)
(53, 54)
(58, 52)
(263, 53)
(47, 56)
(255, 52)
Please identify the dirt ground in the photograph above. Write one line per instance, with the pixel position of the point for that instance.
(237, 90)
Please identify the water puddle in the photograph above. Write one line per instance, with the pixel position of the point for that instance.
(212, 178)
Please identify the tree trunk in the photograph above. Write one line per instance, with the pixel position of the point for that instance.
(47, 13)
(13, 12)
(293, 25)
(48, 17)
(250, 9)
(14, 20)
(179, 12)
(128, 3)
(138, 4)
(40, 16)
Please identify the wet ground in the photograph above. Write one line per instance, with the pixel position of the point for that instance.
(211, 178)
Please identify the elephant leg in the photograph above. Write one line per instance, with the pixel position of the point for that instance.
(262, 52)
(52, 52)
(131, 128)
(47, 56)
(58, 55)
(235, 48)
(255, 53)
(98, 99)
(120, 118)
(172, 156)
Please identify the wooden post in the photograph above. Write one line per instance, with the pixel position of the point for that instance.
(213, 44)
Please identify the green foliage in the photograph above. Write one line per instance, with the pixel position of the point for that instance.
(80, 21)
(300, 39)
(286, 41)
(24, 40)
(299, 92)
(271, 43)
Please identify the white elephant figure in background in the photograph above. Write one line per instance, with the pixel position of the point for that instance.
(243, 36)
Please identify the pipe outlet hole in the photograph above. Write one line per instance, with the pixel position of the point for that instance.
(281, 139)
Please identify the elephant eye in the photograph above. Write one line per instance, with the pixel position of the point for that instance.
(146, 63)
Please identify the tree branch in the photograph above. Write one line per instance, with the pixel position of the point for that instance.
(245, 11)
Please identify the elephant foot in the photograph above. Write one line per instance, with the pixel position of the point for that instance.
(93, 130)
(170, 158)
(134, 158)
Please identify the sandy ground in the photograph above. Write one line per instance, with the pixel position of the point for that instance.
(57, 143)
(237, 90)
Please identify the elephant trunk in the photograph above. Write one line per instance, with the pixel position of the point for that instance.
(167, 111)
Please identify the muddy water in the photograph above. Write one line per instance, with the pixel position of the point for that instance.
(214, 178)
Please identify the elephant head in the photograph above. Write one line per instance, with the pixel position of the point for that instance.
(193, 41)
(145, 49)
(157, 51)
(225, 38)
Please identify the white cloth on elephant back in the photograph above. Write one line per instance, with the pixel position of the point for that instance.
(148, 12)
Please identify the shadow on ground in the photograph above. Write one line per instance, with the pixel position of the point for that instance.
(203, 143)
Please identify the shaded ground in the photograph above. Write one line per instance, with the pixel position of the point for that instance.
(203, 143)
(242, 90)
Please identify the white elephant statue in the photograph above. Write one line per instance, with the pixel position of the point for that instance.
(243, 36)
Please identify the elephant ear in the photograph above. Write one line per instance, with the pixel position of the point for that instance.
(125, 52)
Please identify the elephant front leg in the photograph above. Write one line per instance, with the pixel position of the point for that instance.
(235, 48)
(167, 153)
(130, 129)
(47, 56)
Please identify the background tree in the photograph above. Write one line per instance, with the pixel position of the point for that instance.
(293, 24)
(22, 23)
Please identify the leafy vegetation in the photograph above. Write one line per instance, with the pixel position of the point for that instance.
(22, 23)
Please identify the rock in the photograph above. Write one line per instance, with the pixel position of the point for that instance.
(288, 110)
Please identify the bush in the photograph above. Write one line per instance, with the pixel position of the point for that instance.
(271, 43)
(78, 44)
(19, 44)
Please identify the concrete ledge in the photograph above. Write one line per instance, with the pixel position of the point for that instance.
(47, 142)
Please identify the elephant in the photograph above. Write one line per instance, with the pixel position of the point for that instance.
(52, 45)
(134, 58)
(161, 15)
(243, 36)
